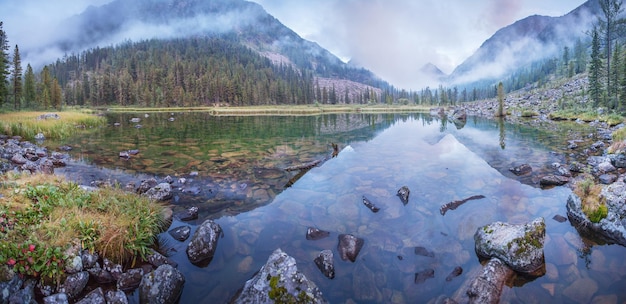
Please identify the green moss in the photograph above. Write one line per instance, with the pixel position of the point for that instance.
(595, 216)
(279, 294)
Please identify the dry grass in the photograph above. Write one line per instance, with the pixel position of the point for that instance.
(27, 124)
(593, 202)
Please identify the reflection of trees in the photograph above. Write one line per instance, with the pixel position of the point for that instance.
(502, 132)
(444, 125)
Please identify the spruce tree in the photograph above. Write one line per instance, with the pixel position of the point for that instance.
(595, 85)
(30, 89)
(4, 66)
(16, 78)
(500, 94)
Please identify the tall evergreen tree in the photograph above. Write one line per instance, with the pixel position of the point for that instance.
(610, 26)
(30, 86)
(580, 54)
(500, 94)
(46, 87)
(595, 69)
(4, 66)
(56, 96)
(16, 78)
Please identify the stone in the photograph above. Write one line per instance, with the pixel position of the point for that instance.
(116, 297)
(180, 233)
(74, 284)
(364, 285)
(189, 214)
(403, 194)
(245, 265)
(156, 259)
(18, 159)
(73, 264)
(349, 247)
(146, 185)
(521, 169)
(316, 234)
(24, 295)
(486, 288)
(89, 259)
(279, 279)
(59, 298)
(113, 268)
(457, 271)
(161, 286)
(96, 296)
(370, 205)
(609, 229)
(204, 242)
(130, 279)
(325, 263)
(607, 179)
(424, 252)
(519, 246)
(559, 218)
(160, 192)
(606, 167)
(553, 180)
(422, 276)
(581, 290)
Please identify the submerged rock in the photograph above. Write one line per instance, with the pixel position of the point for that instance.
(316, 234)
(279, 281)
(553, 180)
(325, 263)
(422, 276)
(370, 205)
(521, 169)
(180, 233)
(424, 252)
(403, 194)
(519, 246)
(457, 271)
(349, 247)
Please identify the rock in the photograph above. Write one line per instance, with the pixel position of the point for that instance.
(559, 218)
(146, 185)
(607, 179)
(316, 234)
(161, 286)
(160, 192)
(618, 160)
(96, 296)
(116, 297)
(422, 276)
(519, 246)
(124, 154)
(521, 169)
(189, 214)
(424, 252)
(606, 167)
(457, 271)
(553, 180)
(89, 259)
(156, 259)
(18, 159)
(59, 298)
(74, 284)
(581, 290)
(370, 205)
(73, 264)
(609, 229)
(204, 242)
(180, 233)
(130, 279)
(364, 285)
(245, 265)
(325, 263)
(135, 119)
(100, 275)
(114, 269)
(24, 295)
(403, 194)
(486, 288)
(279, 281)
(576, 167)
(349, 247)
(40, 137)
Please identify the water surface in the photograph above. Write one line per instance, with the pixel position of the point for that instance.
(240, 183)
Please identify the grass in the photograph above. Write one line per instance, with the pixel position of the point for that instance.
(587, 116)
(590, 194)
(281, 109)
(27, 124)
(41, 215)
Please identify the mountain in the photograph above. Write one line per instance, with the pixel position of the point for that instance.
(137, 20)
(432, 72)
(524, 42)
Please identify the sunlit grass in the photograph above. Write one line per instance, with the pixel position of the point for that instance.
(50, 214)
(587, 116)
(27, 124)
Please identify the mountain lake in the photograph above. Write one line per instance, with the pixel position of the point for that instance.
(234, 171)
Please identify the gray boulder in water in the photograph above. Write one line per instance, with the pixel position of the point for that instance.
(163, 285)
(202, 246)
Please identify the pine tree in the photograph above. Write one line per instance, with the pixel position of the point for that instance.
(500, 94)
(4, 66)
(610, 27)
(46, 87)
(16, 78)
(580, 53)
(56, 96)
(30, 89)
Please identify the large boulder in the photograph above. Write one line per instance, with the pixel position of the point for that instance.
(163, 285)
(519, 246)
(279, 281)
(612, 228)
(204, 242)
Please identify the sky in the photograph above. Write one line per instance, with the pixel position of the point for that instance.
(392, 38)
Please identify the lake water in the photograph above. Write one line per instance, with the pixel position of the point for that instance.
(235, 174)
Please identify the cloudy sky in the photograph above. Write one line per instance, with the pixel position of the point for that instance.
(393, 38)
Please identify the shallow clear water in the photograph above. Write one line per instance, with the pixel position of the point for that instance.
(378, 155)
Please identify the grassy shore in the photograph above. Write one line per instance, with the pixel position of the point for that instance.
(29, 124)
(281, 109)
(42, 215)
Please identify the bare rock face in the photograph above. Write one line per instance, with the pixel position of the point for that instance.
(279, 281)
(204, 242)
(349, 247)
(518, 246)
